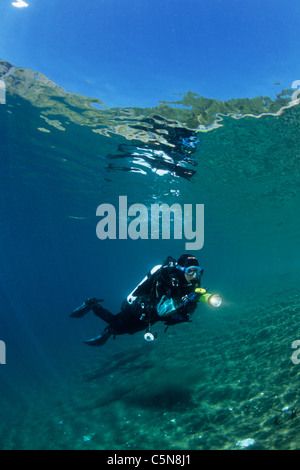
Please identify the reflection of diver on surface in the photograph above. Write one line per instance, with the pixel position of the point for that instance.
(156, 164)
(168, 293)
(171, 156)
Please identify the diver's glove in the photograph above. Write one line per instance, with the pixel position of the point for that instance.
(191, 298)
(85, 307)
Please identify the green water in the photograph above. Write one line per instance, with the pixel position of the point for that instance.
(209, 384)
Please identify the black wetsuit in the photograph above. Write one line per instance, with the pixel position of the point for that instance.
(141, 313)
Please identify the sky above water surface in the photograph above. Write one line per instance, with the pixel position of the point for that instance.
(137, 52)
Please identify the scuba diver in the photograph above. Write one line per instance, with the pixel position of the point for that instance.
(168, 293)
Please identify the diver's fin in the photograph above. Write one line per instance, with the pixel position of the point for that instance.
(85, 308)
(99, 340)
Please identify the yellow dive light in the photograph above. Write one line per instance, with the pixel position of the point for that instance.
(214, 300)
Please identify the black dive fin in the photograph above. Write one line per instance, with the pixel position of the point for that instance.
(99, 340)
(84, 308)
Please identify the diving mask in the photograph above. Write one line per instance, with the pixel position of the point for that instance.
(192, 271)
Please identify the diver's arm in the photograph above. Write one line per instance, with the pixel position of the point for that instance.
(181, 314)
(167, 307)
(176, 318)
(170, 306)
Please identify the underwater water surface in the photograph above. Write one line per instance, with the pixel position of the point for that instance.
(224, 381)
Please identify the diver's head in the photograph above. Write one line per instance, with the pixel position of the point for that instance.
(190, 267)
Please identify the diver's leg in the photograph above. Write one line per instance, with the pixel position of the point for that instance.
(105, 315)
(125, 322)
(85, 307)
(120, 323)
(128, 321)
(109, 318)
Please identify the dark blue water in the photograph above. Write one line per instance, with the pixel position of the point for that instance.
(209, 384)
